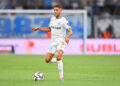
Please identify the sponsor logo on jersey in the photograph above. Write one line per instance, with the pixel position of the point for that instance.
(55, 27)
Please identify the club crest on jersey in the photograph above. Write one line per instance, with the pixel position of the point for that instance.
(68, 24)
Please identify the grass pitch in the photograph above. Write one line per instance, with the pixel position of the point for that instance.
(79, 70)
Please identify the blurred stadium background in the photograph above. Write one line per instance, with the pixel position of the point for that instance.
(103, 23)
(96, 30)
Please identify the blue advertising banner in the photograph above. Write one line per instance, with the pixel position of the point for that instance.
(22, 24)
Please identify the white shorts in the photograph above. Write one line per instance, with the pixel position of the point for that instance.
(54, 48)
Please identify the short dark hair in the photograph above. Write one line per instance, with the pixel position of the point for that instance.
(58, 6)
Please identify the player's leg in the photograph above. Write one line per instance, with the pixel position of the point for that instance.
(60, 64)
(53, 60)
(50, 54)
(59, 55)
(60, 51)
(48, 57)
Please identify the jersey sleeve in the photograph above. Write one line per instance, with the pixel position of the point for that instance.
(66, 25)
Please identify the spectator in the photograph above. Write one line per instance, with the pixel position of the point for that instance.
(95, 9)
(31, 4)
(25, 4)
(106, 34)
(106, 13)
(100, 34)
(109, 33)
(12, 6)
(117, 7)
(88, 7)
(110, 4)
(3, 4)
(75, 5)
(41, 4)
(100, 4)
(55, 2)
(67, 4)
(48, 4)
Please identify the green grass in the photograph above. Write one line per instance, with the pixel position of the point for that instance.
(79, 70)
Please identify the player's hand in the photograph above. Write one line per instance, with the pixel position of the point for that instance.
(67, 40)
(34, 29)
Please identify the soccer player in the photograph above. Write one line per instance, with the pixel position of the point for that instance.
(59, 39)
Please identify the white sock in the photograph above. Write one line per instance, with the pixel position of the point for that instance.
(53, 60)
(60, 68)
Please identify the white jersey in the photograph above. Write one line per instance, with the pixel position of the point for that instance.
(58, 28)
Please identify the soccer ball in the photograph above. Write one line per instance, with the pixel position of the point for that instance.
(38, 76)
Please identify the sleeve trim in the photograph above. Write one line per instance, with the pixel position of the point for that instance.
(68, 28)
(50, 27)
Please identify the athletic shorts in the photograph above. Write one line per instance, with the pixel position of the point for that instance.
(60, 46)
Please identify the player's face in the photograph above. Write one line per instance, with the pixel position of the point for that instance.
(57, 11)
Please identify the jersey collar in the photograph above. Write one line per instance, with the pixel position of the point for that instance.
(59, 18)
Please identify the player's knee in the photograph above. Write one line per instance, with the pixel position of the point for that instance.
(47, 60)
(59, 58)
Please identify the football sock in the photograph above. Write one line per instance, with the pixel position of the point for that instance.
(53, 60)
(60, 68)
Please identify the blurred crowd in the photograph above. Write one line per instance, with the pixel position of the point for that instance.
(108, 7)
(105, 10)
(39, 4)
(97, 6)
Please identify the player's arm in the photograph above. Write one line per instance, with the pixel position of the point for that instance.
(68, 35)
(47, 29)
